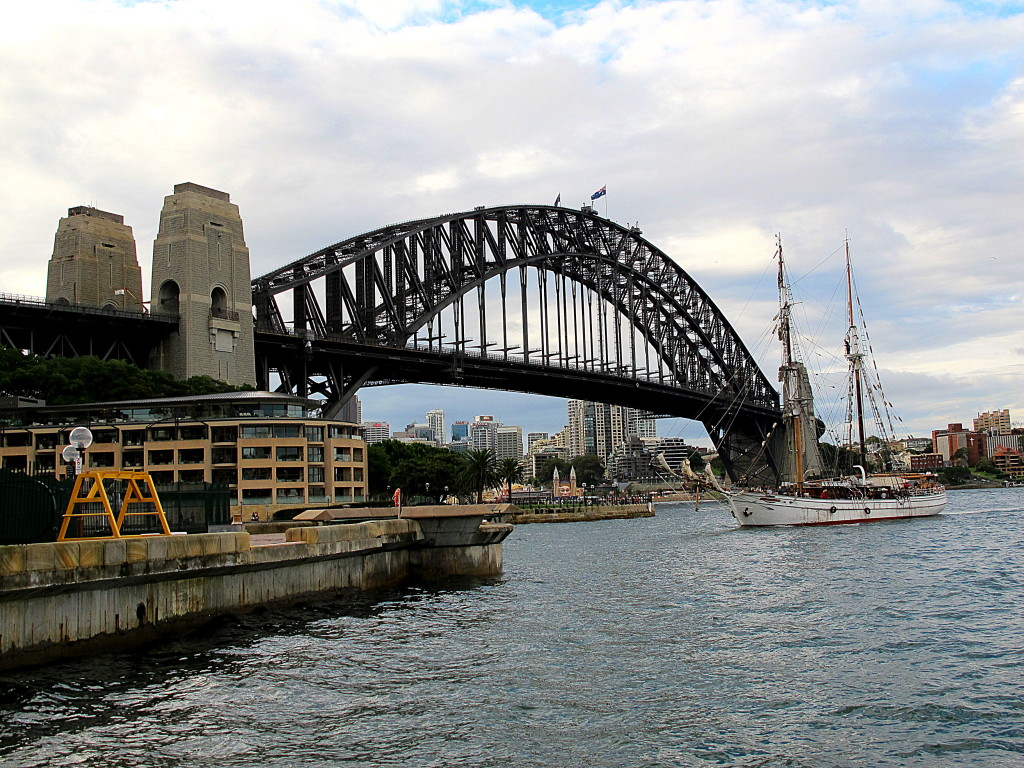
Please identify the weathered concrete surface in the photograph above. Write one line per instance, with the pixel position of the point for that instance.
(66, 598)
(580, 514)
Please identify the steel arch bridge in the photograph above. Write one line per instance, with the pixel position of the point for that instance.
(536, 299)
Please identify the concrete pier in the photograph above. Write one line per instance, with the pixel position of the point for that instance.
(69, 598)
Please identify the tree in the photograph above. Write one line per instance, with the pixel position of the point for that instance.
(955, 475)
(479, 471)
(959, 458)
(589, 469)
(546, 471)
(509, 471)
(986, 465)
(419, 470)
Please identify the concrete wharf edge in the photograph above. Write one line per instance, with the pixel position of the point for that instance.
(64, 599)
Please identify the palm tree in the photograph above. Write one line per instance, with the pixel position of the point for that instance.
(479, 471)
(510, 472)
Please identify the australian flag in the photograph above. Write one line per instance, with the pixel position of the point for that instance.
(600, 193)
(558, 199)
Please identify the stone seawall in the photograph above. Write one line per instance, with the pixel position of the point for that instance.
(67, 598)
(580, 514)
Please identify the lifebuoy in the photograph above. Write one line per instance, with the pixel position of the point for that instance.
(867, 510)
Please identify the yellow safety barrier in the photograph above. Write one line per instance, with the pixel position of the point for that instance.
(97, 493)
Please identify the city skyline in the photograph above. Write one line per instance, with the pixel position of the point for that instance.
(713, 125)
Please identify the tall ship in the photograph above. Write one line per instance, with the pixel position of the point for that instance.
(807, 495)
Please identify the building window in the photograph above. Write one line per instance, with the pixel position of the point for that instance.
(340, 432)
(225, 476)
(191, 476)
(317, 493)
(17, 439)
(46, 441)
(343, 454)
(357, 454)
(315, 474)
(289, 453)
(193, 432)
(257, 495)
(163, 477)
(342, 494)
(256, 473)
(255, 431)
(15, 462)
(161, 457)
(256, 452)
(225, 434)
(224, 454)
(287, 430)
(289, 496)
(191, 456)
(289, 474)
(162, 434)
(132, 460)
(45, 463)
(357, 474)
(104, 436)
(315, 454)
(133, 437)
(343, 474)
(98, 459)
(314, 434)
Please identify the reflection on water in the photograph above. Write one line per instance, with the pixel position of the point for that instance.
(672, 641)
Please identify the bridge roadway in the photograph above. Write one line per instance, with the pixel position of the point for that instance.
(377, 365)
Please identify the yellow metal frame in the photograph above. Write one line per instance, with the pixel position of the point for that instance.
(98, 494)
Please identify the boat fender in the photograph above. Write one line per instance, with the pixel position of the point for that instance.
(867, 510)
(832, 510)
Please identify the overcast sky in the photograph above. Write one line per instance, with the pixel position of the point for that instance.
(713, 124)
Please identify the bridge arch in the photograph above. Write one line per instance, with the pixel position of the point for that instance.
(404, 289)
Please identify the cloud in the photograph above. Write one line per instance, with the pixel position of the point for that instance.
(714, 123)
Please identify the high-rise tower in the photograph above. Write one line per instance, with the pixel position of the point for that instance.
(201, 272)
(94, 262)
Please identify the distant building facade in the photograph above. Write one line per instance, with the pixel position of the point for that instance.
(993, 422)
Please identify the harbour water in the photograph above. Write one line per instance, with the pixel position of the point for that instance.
(677, 640)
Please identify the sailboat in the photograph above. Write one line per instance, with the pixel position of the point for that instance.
(805, 495)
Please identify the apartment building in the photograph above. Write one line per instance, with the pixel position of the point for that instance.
(268, 448)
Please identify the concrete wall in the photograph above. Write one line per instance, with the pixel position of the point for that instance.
(67, 598)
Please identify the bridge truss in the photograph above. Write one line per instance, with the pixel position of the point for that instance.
(528, 298)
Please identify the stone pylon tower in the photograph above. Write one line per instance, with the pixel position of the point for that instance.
(94, 262)
(201, 273)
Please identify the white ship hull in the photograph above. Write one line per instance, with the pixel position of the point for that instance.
(753, 509)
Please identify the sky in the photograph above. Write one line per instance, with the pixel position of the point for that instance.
(714, 124)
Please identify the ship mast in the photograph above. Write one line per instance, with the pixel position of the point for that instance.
(791, 405)
(856, 360)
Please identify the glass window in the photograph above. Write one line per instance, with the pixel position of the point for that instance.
(256, 473)
(133, 437)
(161, 457)
(314, 434)
(254, 431)
(192, 432)
(256, 495)
(289, 474)
(131, 459)
(343, 454)
(162, 434)
(225, 434)
(357, 454)
(256, 452)
(225, 476)
(339, 432)
(224, 454)
(289, 496)
(343, 474)
(315, 454)
(287, 430)
(162, 477)
(191, 476)
(191, 456)
(289, 453)
(315, 474)
(317, 493)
